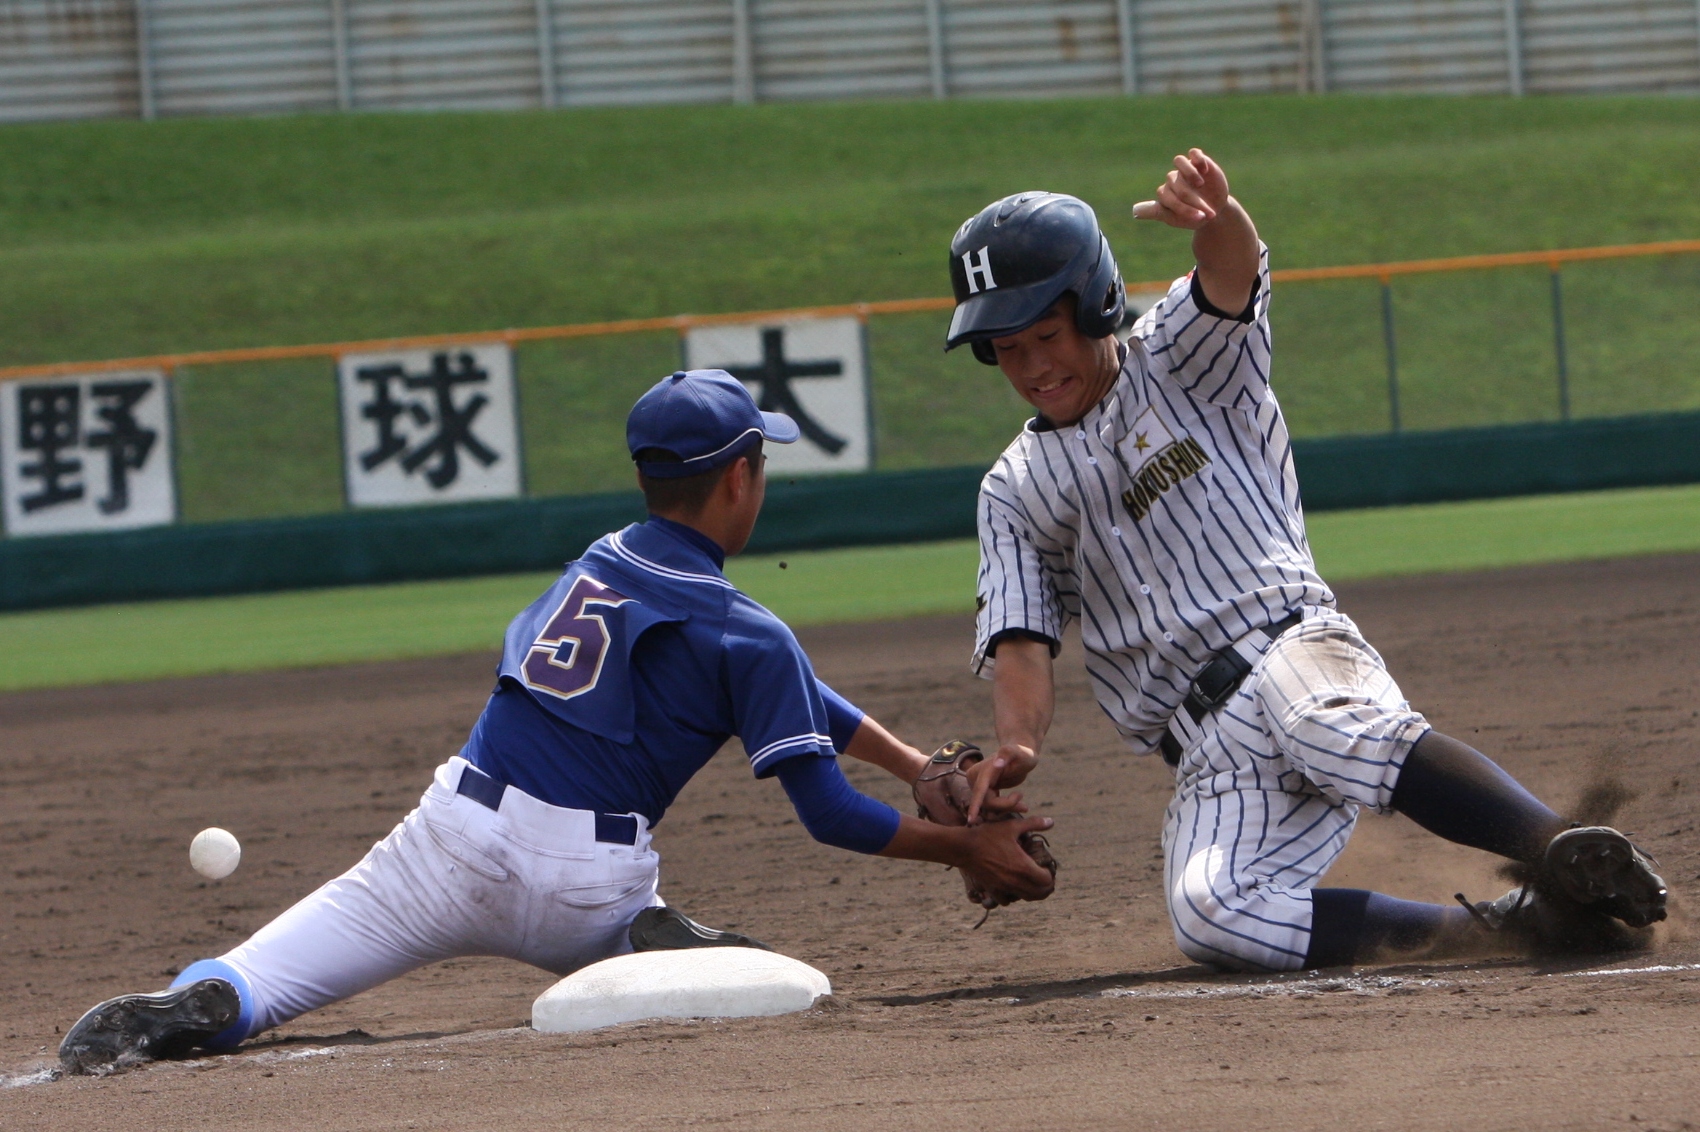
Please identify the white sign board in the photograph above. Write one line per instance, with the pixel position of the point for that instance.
(429, 426)
(814, 370)
(87, 453)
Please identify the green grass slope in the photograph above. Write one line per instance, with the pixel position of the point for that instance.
(264, 631)
(120, 238)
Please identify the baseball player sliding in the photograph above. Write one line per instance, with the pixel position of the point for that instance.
(1153, 500)
(614, 688)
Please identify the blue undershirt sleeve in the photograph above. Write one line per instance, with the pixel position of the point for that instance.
(833, 811)
(842, 716)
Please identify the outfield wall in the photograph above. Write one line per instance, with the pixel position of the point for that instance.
(881, 508)
(146, 58)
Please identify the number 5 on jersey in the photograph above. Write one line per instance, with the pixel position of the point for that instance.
(566, 659)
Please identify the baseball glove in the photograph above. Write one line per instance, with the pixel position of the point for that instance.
(942, 794)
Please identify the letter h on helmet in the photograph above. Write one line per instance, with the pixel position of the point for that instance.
(1011, 262)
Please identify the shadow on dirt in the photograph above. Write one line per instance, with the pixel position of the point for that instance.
(354, 1037)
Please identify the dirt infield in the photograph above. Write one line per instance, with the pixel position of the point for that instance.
(1584, 680)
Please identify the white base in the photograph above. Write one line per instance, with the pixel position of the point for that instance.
(700, 982)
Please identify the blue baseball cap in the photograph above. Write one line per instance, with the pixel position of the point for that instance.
(703, 416)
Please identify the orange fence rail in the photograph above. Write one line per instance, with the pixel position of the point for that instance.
(1384, 272)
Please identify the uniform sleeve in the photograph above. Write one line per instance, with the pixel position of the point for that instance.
(776, 703)
(1212, 355)
(842, 716)
(1014, 590)
(833, 811)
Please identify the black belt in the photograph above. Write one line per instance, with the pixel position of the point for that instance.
(615, 829)
(1215, 682)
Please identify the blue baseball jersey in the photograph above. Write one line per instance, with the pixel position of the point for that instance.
(635, 667)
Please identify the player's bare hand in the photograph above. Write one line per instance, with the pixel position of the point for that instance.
(1191, 196)
(1009, 767)
(998, 865)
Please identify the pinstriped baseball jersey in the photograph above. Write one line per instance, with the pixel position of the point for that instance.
(1167, 521)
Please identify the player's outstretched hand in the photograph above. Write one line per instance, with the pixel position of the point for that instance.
(1191, 196)
(1003, 867)
(1009, 767)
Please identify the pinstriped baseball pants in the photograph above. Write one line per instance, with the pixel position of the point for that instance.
(1269, 787)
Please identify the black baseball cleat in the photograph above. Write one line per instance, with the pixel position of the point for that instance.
(1599, 868)
(1516, 915)
(1592, 893)
(141, 1027)
(666, 929)
(1551, 925)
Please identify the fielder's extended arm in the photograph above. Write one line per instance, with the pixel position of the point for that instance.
(836, 813)
(873, 744)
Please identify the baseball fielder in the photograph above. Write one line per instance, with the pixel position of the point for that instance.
(614, 688)
(1153, 501)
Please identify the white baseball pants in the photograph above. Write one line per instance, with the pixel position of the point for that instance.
(1269, 787)
(528, 882)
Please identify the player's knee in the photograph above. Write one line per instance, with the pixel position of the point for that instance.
(1210, 923)
(1196, 911)
(1206, 939)
(1191, 944)
(1207, 944)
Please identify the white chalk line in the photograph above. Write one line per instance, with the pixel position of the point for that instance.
(1660, 969)
(39, 1077)
(1370, 986)
(276, 1055)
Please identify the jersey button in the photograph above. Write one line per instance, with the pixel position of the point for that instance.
(1144, 589)
(1170, 637)
(1080, 434)
(1117, 531)
(1093, 460)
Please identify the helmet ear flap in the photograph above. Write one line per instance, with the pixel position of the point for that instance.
(984, 352)
(1099, 318)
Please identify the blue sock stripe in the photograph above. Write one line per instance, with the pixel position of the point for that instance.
(233, 1034)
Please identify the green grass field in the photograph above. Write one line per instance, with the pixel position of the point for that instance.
(119, 238)
(181, 638)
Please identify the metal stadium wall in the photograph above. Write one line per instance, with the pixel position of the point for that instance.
(146, 58)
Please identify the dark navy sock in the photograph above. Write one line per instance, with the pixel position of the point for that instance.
(1349, 925)
(1453, 790)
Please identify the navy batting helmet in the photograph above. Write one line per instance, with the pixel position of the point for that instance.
(1013, 261)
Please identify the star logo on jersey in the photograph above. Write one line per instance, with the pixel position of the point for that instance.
(1156, 460)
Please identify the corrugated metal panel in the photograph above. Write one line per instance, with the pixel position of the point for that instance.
(242, 56)
(612, 52)
(1427, 46)
(1218, 46)
(67, 59)
(1577, 46)
(78, 58)
(443, 54)
(1020, 48)
(840, 48)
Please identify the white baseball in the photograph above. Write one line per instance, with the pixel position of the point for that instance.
(215, 853)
